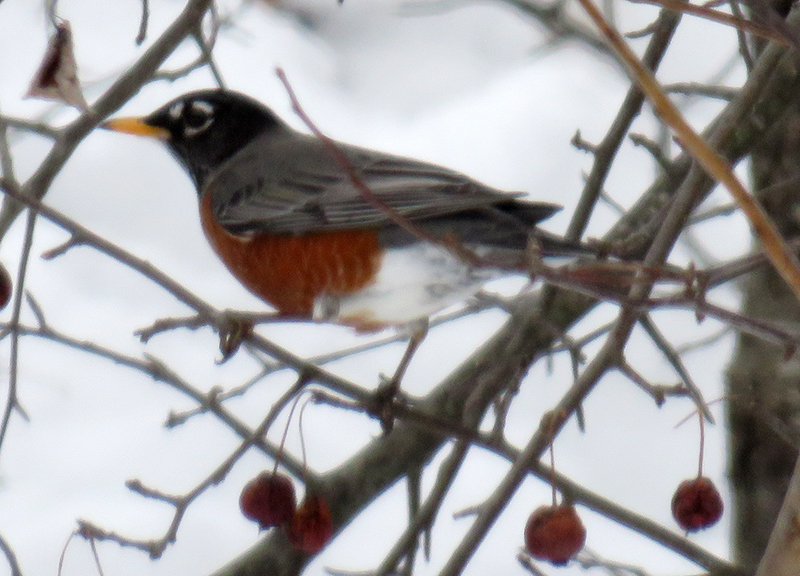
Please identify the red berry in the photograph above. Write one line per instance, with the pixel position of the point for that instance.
(6, 287)
(269, 500)
(312, 526)
(554, 534)
(696, 504)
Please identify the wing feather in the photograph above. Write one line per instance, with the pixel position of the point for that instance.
(292, 185)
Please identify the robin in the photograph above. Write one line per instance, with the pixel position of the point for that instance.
(285, 217)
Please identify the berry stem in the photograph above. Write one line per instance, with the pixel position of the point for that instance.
(279, 455)
(552, 425)
(302, 437)
(553, 472)
(702, 443)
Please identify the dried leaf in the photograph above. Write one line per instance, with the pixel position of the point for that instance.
(57, 76)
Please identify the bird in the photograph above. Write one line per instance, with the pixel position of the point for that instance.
(289, 222)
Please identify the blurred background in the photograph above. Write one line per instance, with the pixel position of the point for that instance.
(481, 87)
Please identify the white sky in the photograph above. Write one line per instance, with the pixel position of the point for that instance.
(471, 86)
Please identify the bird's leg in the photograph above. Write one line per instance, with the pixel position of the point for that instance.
(418, 330)
(387, 391)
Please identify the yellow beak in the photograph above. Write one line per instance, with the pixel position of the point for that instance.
(137, 127)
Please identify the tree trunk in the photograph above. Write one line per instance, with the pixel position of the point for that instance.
(763, 381)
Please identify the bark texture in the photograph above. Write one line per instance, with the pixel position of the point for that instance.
(763, 381)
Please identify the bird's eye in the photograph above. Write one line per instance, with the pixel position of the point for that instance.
(197, 117)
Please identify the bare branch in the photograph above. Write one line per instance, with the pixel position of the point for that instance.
(674, 359)
(142, 34)
(10, 557)
(119, 93)
(697, 89)
(606, 151)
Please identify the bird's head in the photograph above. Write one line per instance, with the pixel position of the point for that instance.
(203, 128)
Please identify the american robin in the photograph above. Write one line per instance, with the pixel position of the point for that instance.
(286, 219)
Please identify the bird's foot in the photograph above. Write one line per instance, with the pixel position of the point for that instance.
(233, 329)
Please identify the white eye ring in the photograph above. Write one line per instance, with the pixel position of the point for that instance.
(201, 109)
(175, 111)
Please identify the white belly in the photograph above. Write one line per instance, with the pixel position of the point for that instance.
(413, 282)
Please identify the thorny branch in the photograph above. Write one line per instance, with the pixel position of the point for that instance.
(8, 181)
(784, 260)
(606, 151)
(155, 548)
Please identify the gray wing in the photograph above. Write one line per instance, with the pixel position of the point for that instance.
(290, 184)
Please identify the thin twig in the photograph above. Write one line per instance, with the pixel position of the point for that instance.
(754, 28)
(83, 236)
(120, 92)
(142, 34)
(10, 557)
(156, 547)
(427, 512)
(589, 559)
(674, 359)
(658, 392)
(607, 150)
(656, 151)
(158, 371)
(528, 564)
(711, 213)
(784, 261)
(741, 36)
(40, 128)
(206, 46)
(530, 455)
(701, 343)
(12, 402)
(697, 89)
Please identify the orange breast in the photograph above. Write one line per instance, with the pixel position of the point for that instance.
(290, 272)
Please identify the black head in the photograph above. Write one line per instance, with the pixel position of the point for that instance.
(204, 128)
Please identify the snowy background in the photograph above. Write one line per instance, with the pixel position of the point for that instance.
(474, 86)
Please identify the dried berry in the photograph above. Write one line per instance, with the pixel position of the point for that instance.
(696, 504)
(554, 534)
(269, 500)
(312, 526)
